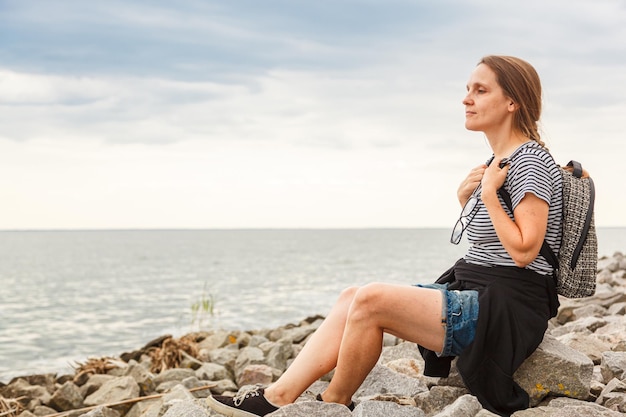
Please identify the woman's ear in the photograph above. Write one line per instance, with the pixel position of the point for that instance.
(513, 106)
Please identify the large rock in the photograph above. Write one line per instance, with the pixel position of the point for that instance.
(613, 396)
(255, 375)
(213, 372)
(568, 407)
(35, 394)
(589, 344)
(248, 356)
(465, 406)
(115, 390)
(102, 412)
(386, 408)
(68, 397)
(555, 369)
(186, 409)
(312, 409)
(382, 380)
(438, 398)
(613, 365)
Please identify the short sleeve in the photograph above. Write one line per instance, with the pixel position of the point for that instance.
(529, 173)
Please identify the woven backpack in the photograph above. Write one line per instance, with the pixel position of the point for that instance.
(577, 261)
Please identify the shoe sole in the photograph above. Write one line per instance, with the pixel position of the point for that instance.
(226, 410)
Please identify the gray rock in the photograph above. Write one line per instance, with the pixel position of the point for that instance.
(583, 325)
(224, 386)
(589, 344)
(589, 310)
(213, 372)
(217, 339)
(143, 377)
(225, 357)
(569, 372)
(147, 408)
(383, 380)
(617, 309)
(386, 408)
(102, 412)
(255, 375)
(569, 407)
(613, 388)
(93, 383)
(68, 397)
(465, 406)
(257, 340)
(174, 374)
(115, 390)
(402, 350)
(613, 365)
(186, 409)
(438, 398)
(312, 409)
(278, 353)
(248, 356)
(21, 388)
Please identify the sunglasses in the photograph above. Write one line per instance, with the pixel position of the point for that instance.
(464, 219)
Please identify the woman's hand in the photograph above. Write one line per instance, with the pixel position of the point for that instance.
(470, 183)
(494, 176)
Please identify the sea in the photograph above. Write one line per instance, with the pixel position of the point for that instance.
(67, 296)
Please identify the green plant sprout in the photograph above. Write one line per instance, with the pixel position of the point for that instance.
(203, 308)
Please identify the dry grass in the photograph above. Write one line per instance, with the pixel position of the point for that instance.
(170, 353)
(10, 407)
(94, 366)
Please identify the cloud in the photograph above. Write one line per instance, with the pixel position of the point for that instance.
(296, 104)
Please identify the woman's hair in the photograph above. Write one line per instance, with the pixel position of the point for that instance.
(519, 81)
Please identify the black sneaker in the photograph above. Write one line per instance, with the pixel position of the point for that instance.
(247, 403)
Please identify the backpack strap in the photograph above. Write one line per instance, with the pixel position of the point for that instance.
(545, 251)
(578, 172)
(578, 168)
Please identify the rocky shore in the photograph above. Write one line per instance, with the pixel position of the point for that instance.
(578, 370)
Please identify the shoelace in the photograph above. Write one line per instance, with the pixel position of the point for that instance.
(245, 394)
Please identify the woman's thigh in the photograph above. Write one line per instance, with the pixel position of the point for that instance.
(410, 313)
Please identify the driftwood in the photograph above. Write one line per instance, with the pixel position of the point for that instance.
(125, 402)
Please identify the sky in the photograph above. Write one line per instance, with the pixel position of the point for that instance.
(285, 113)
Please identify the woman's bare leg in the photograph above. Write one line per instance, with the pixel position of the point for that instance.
(317, 358)
(350, 338)
(410, 313)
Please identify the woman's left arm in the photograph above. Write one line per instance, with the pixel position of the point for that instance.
(523, 237)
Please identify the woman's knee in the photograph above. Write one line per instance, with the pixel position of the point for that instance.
(347, 295)
(367, 300)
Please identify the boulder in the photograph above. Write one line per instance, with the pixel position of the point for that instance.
(115, 390)
(102, 412)
(555, 369)
(68, 397)
(613, 365)
(382, 380)
(386, 408)
(464, 406)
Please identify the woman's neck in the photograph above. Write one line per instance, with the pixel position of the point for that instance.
(504, 146)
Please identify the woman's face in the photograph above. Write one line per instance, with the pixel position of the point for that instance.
(486, 107)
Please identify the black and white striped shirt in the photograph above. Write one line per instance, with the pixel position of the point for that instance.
(532, 170)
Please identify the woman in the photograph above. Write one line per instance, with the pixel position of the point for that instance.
(473, 310)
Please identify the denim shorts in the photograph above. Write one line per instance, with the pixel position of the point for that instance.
(459, 316)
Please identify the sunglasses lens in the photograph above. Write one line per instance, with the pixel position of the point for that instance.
(464, 220)
(469, 206)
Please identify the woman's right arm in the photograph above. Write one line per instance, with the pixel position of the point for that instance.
(470, 183)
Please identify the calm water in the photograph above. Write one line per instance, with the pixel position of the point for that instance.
(66, 296)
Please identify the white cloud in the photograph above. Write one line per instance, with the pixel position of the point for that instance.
(205, 115)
